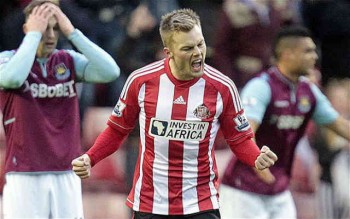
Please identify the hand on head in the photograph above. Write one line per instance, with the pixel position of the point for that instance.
(63, 21)
(39, 18)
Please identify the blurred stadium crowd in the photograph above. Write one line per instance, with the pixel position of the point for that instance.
(239, 36)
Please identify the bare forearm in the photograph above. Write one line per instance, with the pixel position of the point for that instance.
(341, 126)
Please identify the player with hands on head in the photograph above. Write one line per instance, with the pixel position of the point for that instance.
(279, 103)
(180, 103)
(39, 102)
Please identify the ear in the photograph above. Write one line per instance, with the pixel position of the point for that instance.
(167, 52)
(24, 28)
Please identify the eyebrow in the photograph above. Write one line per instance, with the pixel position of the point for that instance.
(193, 44)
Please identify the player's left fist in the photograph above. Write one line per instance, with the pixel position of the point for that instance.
(266, 158)
(82, 166)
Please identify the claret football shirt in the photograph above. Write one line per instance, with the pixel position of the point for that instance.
(283, 110)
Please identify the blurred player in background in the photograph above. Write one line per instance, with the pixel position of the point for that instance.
(244, 36)
(279, 103)
(39, 102)
(333, 195)
(180, 103)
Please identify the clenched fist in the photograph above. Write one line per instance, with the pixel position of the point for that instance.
(82, 166)
(266, 158)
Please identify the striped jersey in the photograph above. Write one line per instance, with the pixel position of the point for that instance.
(176, 172)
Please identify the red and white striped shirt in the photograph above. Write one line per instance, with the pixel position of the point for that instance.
(176, 171)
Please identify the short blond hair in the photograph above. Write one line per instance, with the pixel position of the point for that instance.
(181, 20)
(29, 8)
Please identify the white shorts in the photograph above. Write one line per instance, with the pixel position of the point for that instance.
(341, 181)
(236, 203)
(42, 195)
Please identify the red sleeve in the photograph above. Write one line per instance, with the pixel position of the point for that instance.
(106, 144)
(246, 151)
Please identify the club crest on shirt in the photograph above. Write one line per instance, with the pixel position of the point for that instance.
(202, 112)
(118, 109)
(241, 122)
(304, 104)
(61, 71)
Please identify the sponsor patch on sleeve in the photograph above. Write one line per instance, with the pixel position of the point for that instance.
(118, 109)
(241, 122)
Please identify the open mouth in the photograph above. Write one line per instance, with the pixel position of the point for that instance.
(197, 65)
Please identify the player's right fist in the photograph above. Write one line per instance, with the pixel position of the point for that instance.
(82, 166)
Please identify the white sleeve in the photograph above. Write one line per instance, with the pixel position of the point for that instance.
(15, 66)
(94, 64)
(324, 111)
(256, 95)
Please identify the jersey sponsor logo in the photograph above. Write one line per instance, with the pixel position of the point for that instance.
(241, 122)
(33, 74)
(281, 103)
(58, 90)
(118, 109)
(202, 112)
(178, 130)
(61, 71)
(304, 104)
(287, 121)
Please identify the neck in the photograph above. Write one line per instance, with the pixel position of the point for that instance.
(42, 55)
(177, 74)
(288, 73)
(173, 69)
